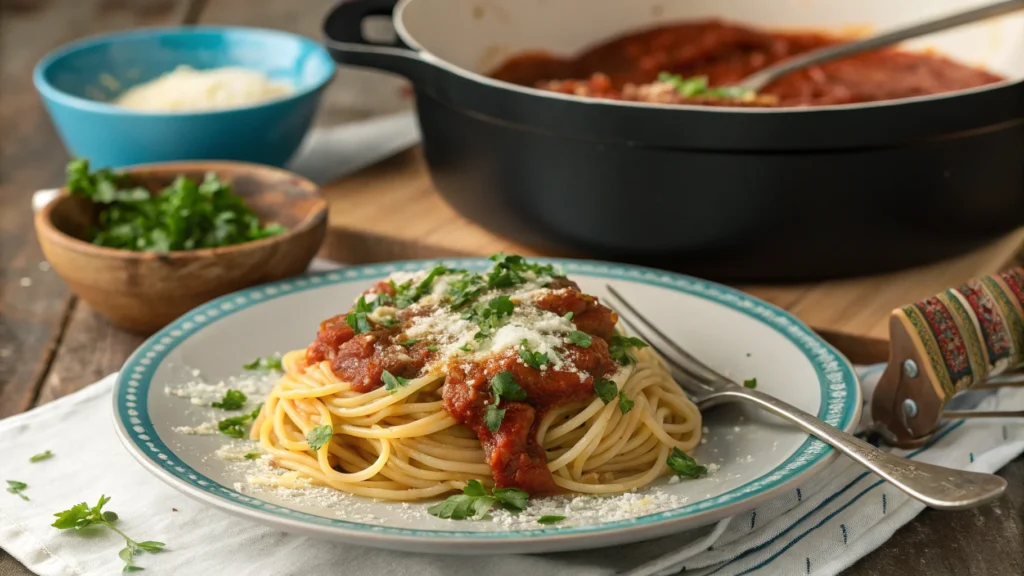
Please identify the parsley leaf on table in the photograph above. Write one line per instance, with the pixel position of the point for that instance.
(750, 383)
(82, 516)
(232, 400)
(183, 216)
(45, 455)
(15, 487)
(684, 465)
(475, 502)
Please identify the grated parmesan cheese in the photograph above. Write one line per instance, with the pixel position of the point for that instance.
(202, 429)
(187, 89)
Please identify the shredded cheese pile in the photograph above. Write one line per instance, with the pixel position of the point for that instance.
(187, 89)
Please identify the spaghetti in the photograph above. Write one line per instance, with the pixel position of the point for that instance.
(514, 378)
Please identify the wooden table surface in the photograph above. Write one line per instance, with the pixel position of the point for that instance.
(51, 344)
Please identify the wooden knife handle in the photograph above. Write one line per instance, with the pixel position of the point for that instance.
(945, 344)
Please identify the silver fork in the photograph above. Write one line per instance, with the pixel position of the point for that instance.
(937, 486)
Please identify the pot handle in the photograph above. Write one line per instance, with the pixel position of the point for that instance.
(343, 37)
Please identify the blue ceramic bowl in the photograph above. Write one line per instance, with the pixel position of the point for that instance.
(77, 83)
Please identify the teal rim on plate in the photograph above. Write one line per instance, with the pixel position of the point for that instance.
(840, 393)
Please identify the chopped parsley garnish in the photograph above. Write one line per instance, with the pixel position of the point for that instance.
(697, 87)
(581, 339)
(511, 270)
(568, 316)
(751, 383)
(625, 404)
(606, 389)
(232, 400)
(235, 426)
(466, 348)
(550, 519)
(684, 465)
(15, 487)
(406, 294)
(504, 385)
(619, 347)
(319, 436)
(252, 455)
(391, 382)
(82, 516)
(531, 358)
(493, 417)
(465, 289)
(408, 343)
(476, 502)
(183, 216)
(488, 316)
(431, 348)
(41, 456)
(356, 319)
(265, 363)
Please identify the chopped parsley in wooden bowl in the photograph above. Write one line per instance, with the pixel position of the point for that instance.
(146, 245)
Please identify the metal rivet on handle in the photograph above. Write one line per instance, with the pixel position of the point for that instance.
(910, 368)
(910, 408)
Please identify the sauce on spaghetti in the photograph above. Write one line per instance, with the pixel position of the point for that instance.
(628, 67)
(430, 334)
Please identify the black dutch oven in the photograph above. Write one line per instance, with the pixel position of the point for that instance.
(732, 194)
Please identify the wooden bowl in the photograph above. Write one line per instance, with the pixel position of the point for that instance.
(143, 291)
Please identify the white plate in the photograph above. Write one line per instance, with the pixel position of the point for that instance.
(743, 337)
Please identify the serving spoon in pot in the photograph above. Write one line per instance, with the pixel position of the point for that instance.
(762, 78)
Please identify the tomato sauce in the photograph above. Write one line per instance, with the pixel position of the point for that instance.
(512, 451)
(725, 53)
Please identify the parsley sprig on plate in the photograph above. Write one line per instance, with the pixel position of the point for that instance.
(266, 363)
(186, 215)
(232, 400)
(476, 501)
(236, 425)
(82, 516)
(684, 465)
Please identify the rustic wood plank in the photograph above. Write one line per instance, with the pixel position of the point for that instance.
(355, 93)
(90, 349)
(33, 302)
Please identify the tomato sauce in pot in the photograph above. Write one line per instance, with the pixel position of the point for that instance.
(628, 68)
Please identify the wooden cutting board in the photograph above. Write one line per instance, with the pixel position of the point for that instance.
(390, 211)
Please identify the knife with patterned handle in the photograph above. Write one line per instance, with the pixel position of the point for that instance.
(944, 345)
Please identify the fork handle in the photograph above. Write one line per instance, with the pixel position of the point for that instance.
(937, 486)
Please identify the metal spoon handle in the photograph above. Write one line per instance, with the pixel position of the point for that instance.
(759, 80)
(937, 486)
